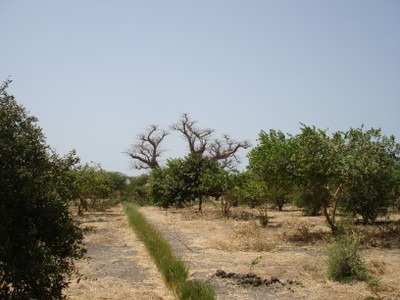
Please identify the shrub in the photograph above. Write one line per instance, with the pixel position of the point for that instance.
(307, 202)
(344, 260)
(194, 290)
(38, 239)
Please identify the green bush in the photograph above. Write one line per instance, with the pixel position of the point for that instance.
(307, 202)
(39, 240)
(344, 260)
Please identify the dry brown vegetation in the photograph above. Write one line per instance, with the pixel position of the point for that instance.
(292, 246)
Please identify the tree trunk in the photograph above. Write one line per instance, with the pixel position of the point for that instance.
(200, 203)
(336, 198)
(328, 218)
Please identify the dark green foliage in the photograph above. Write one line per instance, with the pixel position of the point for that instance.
(306, 201)
(181, 180)
(118, 182)
(396, 189)
(316, 169)
(250, 190)
(166, 186)
(39, 240)
(137, 190)
(344, 260)
(91, 185)
(373, 160)
(353, 170)
(271, 163)
(221, 185)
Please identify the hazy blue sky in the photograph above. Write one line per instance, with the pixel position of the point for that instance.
(96, 73)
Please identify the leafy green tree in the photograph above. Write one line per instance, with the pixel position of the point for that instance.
(118, 182)
(271, 162)
(39, 240)
(250, 190)
(317, 162)
(396, 189)
(371, 161)
(221, 185)
(166, 185)
(353, 170)
(92, 184)
(306, 201)
(181, 180)
(194, 169)
(137, 189)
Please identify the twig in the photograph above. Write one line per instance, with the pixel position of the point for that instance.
(175, 236)
(398, 294)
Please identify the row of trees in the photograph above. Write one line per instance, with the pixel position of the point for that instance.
(92, 185)
(356, 172)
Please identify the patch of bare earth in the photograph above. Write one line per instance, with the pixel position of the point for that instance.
(118, 266)
(292, 247)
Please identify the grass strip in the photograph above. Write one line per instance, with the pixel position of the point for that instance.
(173, 270)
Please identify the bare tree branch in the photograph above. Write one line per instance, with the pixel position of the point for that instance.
(197, 138)
(146, 151)
(225, 150)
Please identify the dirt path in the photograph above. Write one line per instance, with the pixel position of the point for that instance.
(119, 266)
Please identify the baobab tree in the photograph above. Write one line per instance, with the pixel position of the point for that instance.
(224, 151)
(200, 141)
(197, 138)
(147, 150)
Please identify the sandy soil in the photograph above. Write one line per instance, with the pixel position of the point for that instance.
(118, 266)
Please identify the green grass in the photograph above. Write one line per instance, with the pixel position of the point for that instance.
(173, 270)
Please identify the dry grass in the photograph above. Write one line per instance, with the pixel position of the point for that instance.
(293, 247)
(249, 236)
(386, 235)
